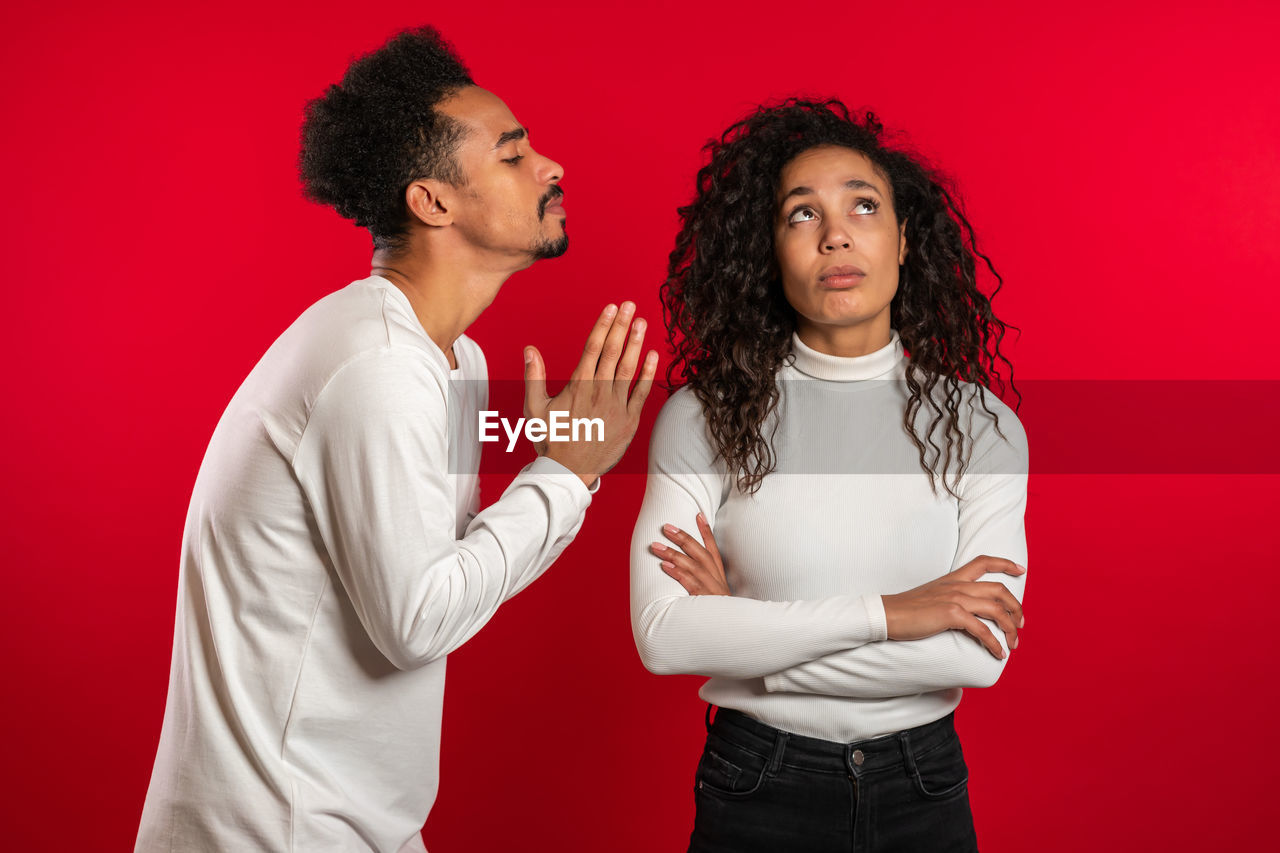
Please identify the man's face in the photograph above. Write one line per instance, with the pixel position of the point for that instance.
(511, 200)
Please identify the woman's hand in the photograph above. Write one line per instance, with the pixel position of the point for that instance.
(955, 601)
(696, 565)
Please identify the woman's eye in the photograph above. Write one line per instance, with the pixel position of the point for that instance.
(802, 214)
(514, 160)
(866, 205)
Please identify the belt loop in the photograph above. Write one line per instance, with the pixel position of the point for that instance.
(908, 758)
(709, 707)
(779, 747)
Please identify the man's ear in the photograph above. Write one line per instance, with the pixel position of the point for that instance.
(430, 202)
(902, 242)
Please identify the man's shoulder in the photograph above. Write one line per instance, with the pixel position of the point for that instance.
(366, 317)
(365, 314)
(363, 323)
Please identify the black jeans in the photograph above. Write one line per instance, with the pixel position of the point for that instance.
(762, 789)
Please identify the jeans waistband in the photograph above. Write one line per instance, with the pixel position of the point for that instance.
(860, 756)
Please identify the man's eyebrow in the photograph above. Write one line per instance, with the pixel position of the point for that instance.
(511, 136)
(855, 184)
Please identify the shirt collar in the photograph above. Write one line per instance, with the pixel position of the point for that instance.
(873, 365)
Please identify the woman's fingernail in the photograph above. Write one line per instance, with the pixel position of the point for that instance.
(1022, 622)
(668, 528)
(1020, 566)
(668, 566)
(658, 546)
(702, 518)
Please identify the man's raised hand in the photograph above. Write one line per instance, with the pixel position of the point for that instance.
(600, 387)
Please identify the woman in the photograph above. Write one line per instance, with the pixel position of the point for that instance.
(867, 505)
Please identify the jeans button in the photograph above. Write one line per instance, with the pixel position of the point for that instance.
(858, 757)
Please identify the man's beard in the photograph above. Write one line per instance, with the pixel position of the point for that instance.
(546, 247)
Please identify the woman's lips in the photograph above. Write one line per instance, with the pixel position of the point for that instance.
(841, 277)
(841, 282)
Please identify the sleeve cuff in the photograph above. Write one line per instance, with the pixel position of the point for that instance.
(876, 630)
(546, 467)
(876, 620)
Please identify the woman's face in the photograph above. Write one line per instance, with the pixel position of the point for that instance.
(839, 245)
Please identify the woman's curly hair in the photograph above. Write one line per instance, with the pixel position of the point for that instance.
(730, 324)
(366, 139)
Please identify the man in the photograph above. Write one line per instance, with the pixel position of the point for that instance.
(333, 553)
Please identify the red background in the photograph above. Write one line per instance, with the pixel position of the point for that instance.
(1119, 161)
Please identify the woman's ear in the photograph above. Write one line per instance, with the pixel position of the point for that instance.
(902, 242)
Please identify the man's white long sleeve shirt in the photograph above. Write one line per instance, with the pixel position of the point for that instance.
(334, 554)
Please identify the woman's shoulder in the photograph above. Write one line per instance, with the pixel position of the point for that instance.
(681, 417)
(993, 426)
(681, 429)
(683, 400)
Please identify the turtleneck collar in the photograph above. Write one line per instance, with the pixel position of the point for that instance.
(835, 368)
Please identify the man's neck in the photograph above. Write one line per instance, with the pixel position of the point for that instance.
(447, 290)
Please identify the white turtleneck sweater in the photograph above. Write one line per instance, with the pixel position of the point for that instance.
(847, 516)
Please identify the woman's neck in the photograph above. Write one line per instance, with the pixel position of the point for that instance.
(845, 341)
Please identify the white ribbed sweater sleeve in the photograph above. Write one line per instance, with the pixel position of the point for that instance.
(991, 508)
(725, 636)
(373, 463)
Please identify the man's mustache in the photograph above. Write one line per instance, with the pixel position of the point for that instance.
(553, 194)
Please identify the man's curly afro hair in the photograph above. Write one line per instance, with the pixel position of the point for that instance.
(366, 139)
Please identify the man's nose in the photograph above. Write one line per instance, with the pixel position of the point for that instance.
(552, 172)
